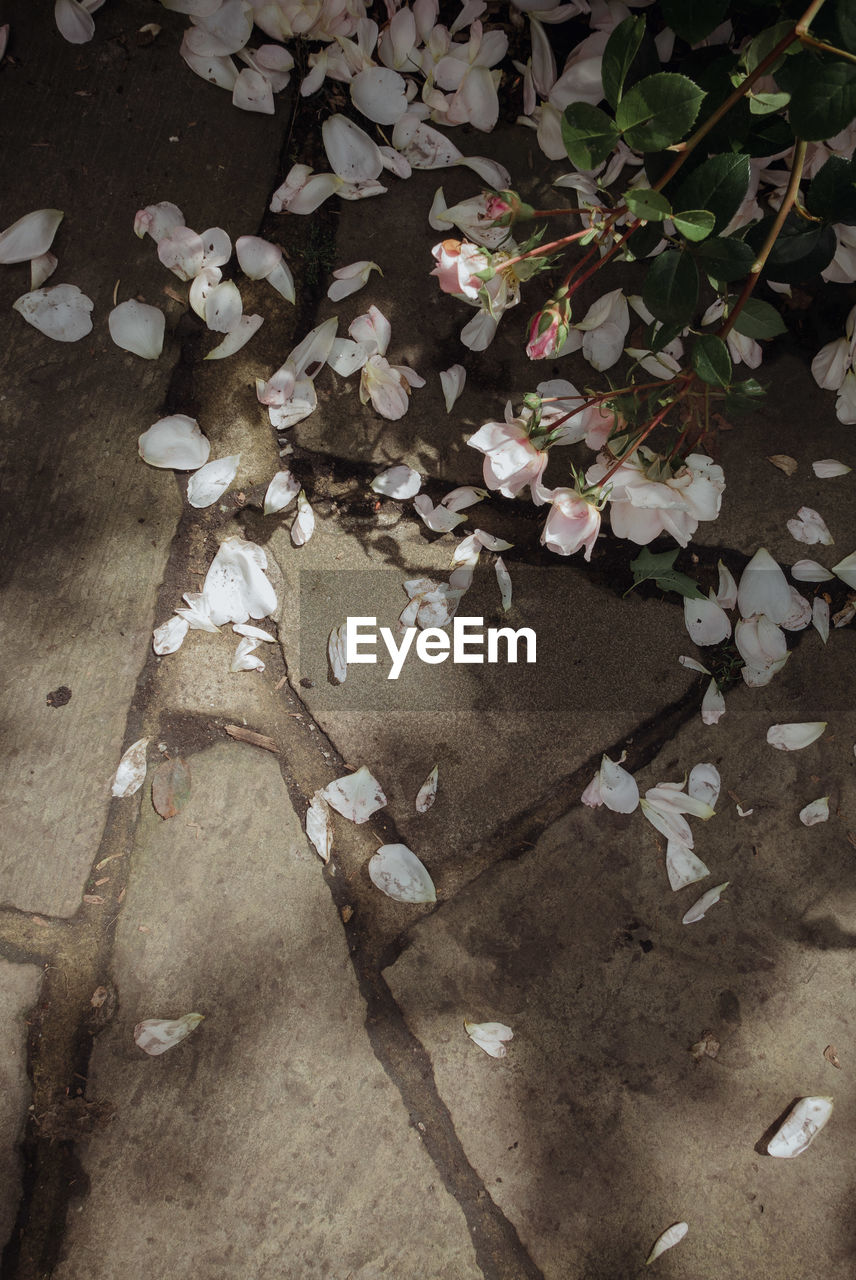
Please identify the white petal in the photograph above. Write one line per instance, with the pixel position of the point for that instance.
(281, 491)
(704, 784)
(810, 571)
(618, 788)
(182, 251)
(319, 827)
(235, 586)
(223, 307)
(256, 257)
(174, 442)
(705, 902)
(802, 1123)
(61, 312)
(706, 622)
(298, 406)
(682, 865)
(197, 612)
(670, 1237)
(41, 269)
(74, 23)
(156, 1035)
(351, 153)
(808, 526)
(379, 94)
(764, 589)
(398, 482)
(491, 542)
(169, 636)
(314, 349)
(693, 665)
(713, 704)
(282, 280)
(30, 236)
(828, 467)
(138, 328)
(131, 772)
(398, 873)
(346, 357)
(202, 284)
(158, 220)
(245, 658)
(236, 338)
(490, 1036)
(817, 811)
(464, 496)
(503, 578)
(253, 92)
(351, 279)
(438, 519)
(793, 737)
(216, 247)
(846, 569)
(452, 381)
(356, 796)
(207, 484)
(820, 617)
(219, 71)
(337, 653)
(428, 791)
(254, 633)
(304, 522)
(726, 591)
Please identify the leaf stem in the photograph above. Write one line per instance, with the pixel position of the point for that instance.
(542, 250)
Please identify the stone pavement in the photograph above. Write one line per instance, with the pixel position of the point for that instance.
(329, 1117)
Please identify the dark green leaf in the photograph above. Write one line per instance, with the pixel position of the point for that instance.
(711, 360)
(763, 104)
(649, 565)
(670, 291)
(742, 397)
(802, 250)
(823, 99)
(720, 185)
(692, 20)
(588, 134)
(644, 240)
(694, 224)
(832, 194)
(768, 135)
(652, 206)
(762, 44)
(658, 111)
(759, 320)
(845, 17)
(659, 335)
(621, 48)
(725, 259)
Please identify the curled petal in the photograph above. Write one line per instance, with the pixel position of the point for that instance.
(820, 617)
(490, 1036)
(351, 279)
(29, 237)
(245, 658)
(319, 828)
(75, 24)
(155, 1035)
(800, 1127)
(337, 653)
(203, 284)
(726, 592)
(618, 788)
(808, 526)
(503, 578)
(223, 307)
(236, 338)
(253, 92)
(304, 522)
(439, 519)
(846, 570)
(169, 636)
(42, 268)
(713, 704)
(182, 251)
(138, 328)
(257, 257)
(216, 247)
(670, 1237)
(452, 381)
(428, 791)
(698, 910)
(817, 811)
(157, 220)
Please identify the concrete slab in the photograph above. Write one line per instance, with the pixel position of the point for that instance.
(19, 984)
(271, 1142)
(87, 527)
(579, 947)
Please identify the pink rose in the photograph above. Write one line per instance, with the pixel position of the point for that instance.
(572, 523)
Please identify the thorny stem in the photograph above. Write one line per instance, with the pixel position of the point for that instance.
(655, 422)
(608, 395)
(758, 264)
(542, 249)
(554, 213)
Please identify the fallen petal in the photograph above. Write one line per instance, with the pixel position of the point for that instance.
(74, 23)
(503, 578)
(826, 468)
(810, 571)
(438, 519)
(138, 328)
(846, 569)
(169, 636)
(356, 796)
(706, 622)
(452, 381)
(29, 237)
(235, 586)
(784, 462)
(255, 633)
(41, 269)
(682, 865)
(817, 811)
(820, 617)
(800, 1126)
(398, 482)
(808, 526)
(61, 312)
(156, 1035)
(793, 737)
(618, 788)
(705, 902)
(337, 653)
(670, 1237)
(174, 442)
(712, 704)
(704, 784)
(236, 338)
(490, 1036)
(428, 791)
(319, 827)
(245, 658)
(304, 522)
(256, 257)
(207, 484)
(281, 491)
(131, 772)
(398, 873)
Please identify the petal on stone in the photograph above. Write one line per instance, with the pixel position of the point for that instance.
(257, 257)
(379, 94)
(223, 307)
(398, 873)
(138, 328)
(236, 338)
(337, 653)
(713, 704)
(356, 796)
(682, 865)
(826, 468)
(235, 586)
(503, 578)
(41, 269)
(282, 280)
(452, 381)
(169, 636)
(764, 589)
(706, 622)
(810, 571)
(319, 827)
(490, 1036)
(820, 617)
(846, 570)
(155, 1035)
(670, 1237)
(304, 522)
(29, 237)
(210, 482)
(60, 312)
(245, 658)
(706, 901)
(353, 156)
(281, 491)
(618, 788)
(131, 772)
(704, 784)
(800, 1127)
(809, 526)
(74, 23)
(398, 482)
(175, 442)
(438, 519)
(794, 737)
(817, 811)
(427, 793)
(203, 283)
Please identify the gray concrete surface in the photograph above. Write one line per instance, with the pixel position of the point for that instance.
(19, 985)
(329, 1117)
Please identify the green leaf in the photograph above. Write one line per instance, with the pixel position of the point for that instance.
(621, 48)
(711, 360)
(742, 396)
(823, 99)
(643, 241)
(649, 205)
(845, 16)
(725, 259)
(695, 224)
(670, 291)
(759, 320)
(764, 43)
(588, 134)
(832, 194)
(659, 567)
(658, 111)
(719, 184)
(763, 104)
(802, 249)
(692, 20)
